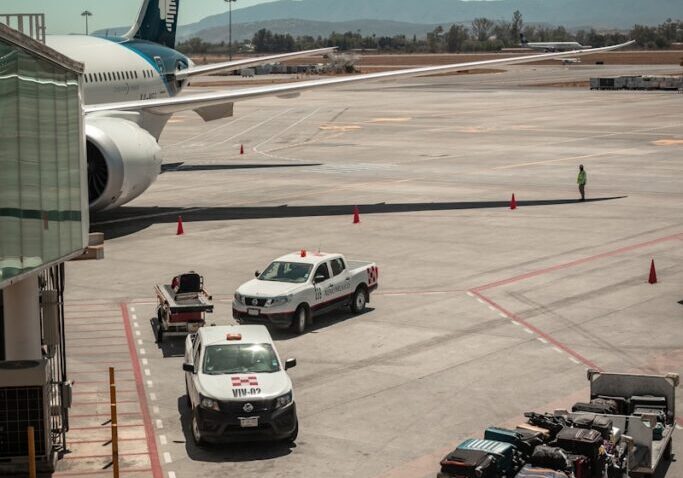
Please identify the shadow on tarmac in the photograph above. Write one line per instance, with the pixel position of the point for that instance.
(320, 322)
(235, 452)
(181, 167)
(129, 220)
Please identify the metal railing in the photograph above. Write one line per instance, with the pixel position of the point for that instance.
(31, 24)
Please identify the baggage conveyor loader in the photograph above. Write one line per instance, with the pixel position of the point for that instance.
(649, 420)
(183, 305)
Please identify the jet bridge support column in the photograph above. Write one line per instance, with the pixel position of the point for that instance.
(22, 334)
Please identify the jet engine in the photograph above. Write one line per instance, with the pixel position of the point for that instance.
(123, 161)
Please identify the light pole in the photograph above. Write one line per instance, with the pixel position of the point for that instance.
(86, 14)
(230, 2)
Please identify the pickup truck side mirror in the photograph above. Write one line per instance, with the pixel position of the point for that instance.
(290, 363)
(257, 273)
(188, 367)
(319, 278)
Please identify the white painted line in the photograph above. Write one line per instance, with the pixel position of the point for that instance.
(541, 339)
(171, 474)
(139, 341)
(132, 309)
(493, 308)
(481, 301)
(558, 350)
(150, 384)
(504, 316)
(155, 409)
(167, 457)
(160, 424)
(470, 294)
(147, 372)
(135, 317)
(137, 332)
(574, 360)
(528, 331)
(142, 352)
(162, 440)
(678, 427)
(144, 361)
(516, 323)
(136, 325)
(153, 397)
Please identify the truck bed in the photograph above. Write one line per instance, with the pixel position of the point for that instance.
(187, 302)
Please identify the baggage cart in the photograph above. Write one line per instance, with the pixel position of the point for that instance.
(183, 305)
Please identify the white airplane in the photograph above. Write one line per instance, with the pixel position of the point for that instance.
(131, 89)
(553, 46)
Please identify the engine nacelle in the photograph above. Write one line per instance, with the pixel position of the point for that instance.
(123, 161)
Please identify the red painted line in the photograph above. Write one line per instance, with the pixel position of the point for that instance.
(81, 382)
(538, 332)
(99, 346)
(86, 457)
(679, 420)
(149, 430)
(577, 262)
(102, 472)
(107, 427)
(98, 355)
(99, 402)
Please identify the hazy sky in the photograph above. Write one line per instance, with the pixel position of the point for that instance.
(64, 16)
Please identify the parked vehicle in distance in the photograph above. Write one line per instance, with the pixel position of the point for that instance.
(297, 287)
(238, 387)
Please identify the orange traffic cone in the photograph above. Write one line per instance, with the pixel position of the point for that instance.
(356, 215)
(653, 273)
(180, 230)
(303, 252)
(513, 202)
(241, 149)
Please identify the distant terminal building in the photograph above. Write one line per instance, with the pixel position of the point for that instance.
(43, 222)
(671, 83)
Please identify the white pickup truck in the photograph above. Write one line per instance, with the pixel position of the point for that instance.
(298, 286)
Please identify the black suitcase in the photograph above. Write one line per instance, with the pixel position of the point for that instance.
(549, 457)
(622, 403)
(579, 441)
(602, 408)
(592, 421)
(470, 464)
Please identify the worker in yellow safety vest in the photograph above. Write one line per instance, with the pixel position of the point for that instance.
(581, 181)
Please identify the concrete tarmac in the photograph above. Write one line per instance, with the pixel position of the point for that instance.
(483, 312)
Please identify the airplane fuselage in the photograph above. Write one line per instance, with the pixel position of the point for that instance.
(118, 69)
(556, 46)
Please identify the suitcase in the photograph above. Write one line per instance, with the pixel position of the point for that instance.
(524, 441)
(549, 457)
(607, 402)
(503, 452)
(592, 422)
(530, 471)
(526, 427)
(469, 464)
(579, 466)
(622, 403)
(602, 408)
(578, 441)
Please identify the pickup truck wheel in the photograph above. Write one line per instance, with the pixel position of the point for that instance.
(196, 434)
(359, 300)
(299, 320)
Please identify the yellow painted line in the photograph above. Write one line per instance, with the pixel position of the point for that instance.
(390, 120)
(571, 158)
(668, 142)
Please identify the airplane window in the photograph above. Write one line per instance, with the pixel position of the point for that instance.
(118, 75)
(126, 74)
(101, 78)
(136, 74)
(85, 78)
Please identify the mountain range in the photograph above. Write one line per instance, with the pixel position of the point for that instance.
(390, 17)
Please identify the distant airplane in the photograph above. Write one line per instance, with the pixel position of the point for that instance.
(132, 86)
(552, 46)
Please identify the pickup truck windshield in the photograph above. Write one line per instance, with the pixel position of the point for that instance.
(240, 358)
(294, 272)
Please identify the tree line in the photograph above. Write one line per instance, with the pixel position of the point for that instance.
(481, 35)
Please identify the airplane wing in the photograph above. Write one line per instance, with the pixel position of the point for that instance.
(212, 103)
(238, 64)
